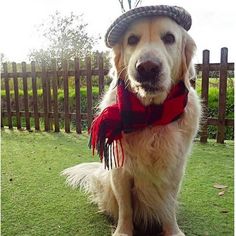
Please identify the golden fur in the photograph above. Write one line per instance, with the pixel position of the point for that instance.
(145, 190)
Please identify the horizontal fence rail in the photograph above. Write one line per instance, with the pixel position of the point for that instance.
(47, 110)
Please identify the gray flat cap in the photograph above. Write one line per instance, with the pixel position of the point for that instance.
(119, 26)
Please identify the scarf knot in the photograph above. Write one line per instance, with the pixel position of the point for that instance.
(127, 115)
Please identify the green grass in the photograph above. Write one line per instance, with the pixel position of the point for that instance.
(202, 210)
(35, 200)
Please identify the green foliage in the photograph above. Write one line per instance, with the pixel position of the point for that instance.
(36, 201)
(83, 96)
(212, 109)
(72, 104)
(67, 37)
(2, 58)
(213, 105)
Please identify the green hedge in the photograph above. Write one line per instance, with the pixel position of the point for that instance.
(212, 110)
(213, 107)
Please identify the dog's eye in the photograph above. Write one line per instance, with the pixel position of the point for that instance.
(133, 40)
(168, 38)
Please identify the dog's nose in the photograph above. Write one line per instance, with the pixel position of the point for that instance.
(148, 69)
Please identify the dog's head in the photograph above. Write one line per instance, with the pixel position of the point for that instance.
(154, 54)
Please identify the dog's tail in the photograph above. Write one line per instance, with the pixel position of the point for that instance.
(95, 181)
(84, 175)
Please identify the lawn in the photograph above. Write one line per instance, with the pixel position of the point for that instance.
(36, 202)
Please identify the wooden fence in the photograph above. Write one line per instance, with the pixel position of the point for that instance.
(48, 80)
(222, 68)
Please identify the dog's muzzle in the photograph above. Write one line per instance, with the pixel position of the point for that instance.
(148, 72)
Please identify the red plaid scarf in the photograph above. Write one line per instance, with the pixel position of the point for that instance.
(130, 115)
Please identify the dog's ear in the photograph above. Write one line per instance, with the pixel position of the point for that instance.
(118, 59)
(188, 50)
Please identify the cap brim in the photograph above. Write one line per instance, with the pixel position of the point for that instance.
(119, 26)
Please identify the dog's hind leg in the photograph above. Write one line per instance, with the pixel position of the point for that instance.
(121, 183)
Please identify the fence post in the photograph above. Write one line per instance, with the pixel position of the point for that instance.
(55, 96)
(35, 96)
(49, 99)
(100, 74)
(204, 95)
(66, 96)
(89, 91)
(16, 92)
(45, 96)
(8, 96)
(77, 97)
(1, 118)
(222, 95)
(26, 98)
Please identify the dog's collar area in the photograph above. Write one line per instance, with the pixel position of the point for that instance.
(119, 26)
(127, 115)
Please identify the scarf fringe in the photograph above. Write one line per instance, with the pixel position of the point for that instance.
(111, 154)
(110, 151)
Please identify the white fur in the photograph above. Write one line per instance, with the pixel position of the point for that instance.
(145, 190)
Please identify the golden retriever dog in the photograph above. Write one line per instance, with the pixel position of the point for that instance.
(143, 192)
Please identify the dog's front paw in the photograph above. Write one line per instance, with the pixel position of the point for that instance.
(122, 234)
(180, 233)
(177, 233)
(119, 232)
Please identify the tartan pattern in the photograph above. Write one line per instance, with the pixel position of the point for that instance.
(129, 115)
(119, 26)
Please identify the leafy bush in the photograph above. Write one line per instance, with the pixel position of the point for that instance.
(212, 105)
(72, 104)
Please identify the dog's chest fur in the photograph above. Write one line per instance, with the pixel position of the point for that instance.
(153, 154)
(161, 148)
(155, 159)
